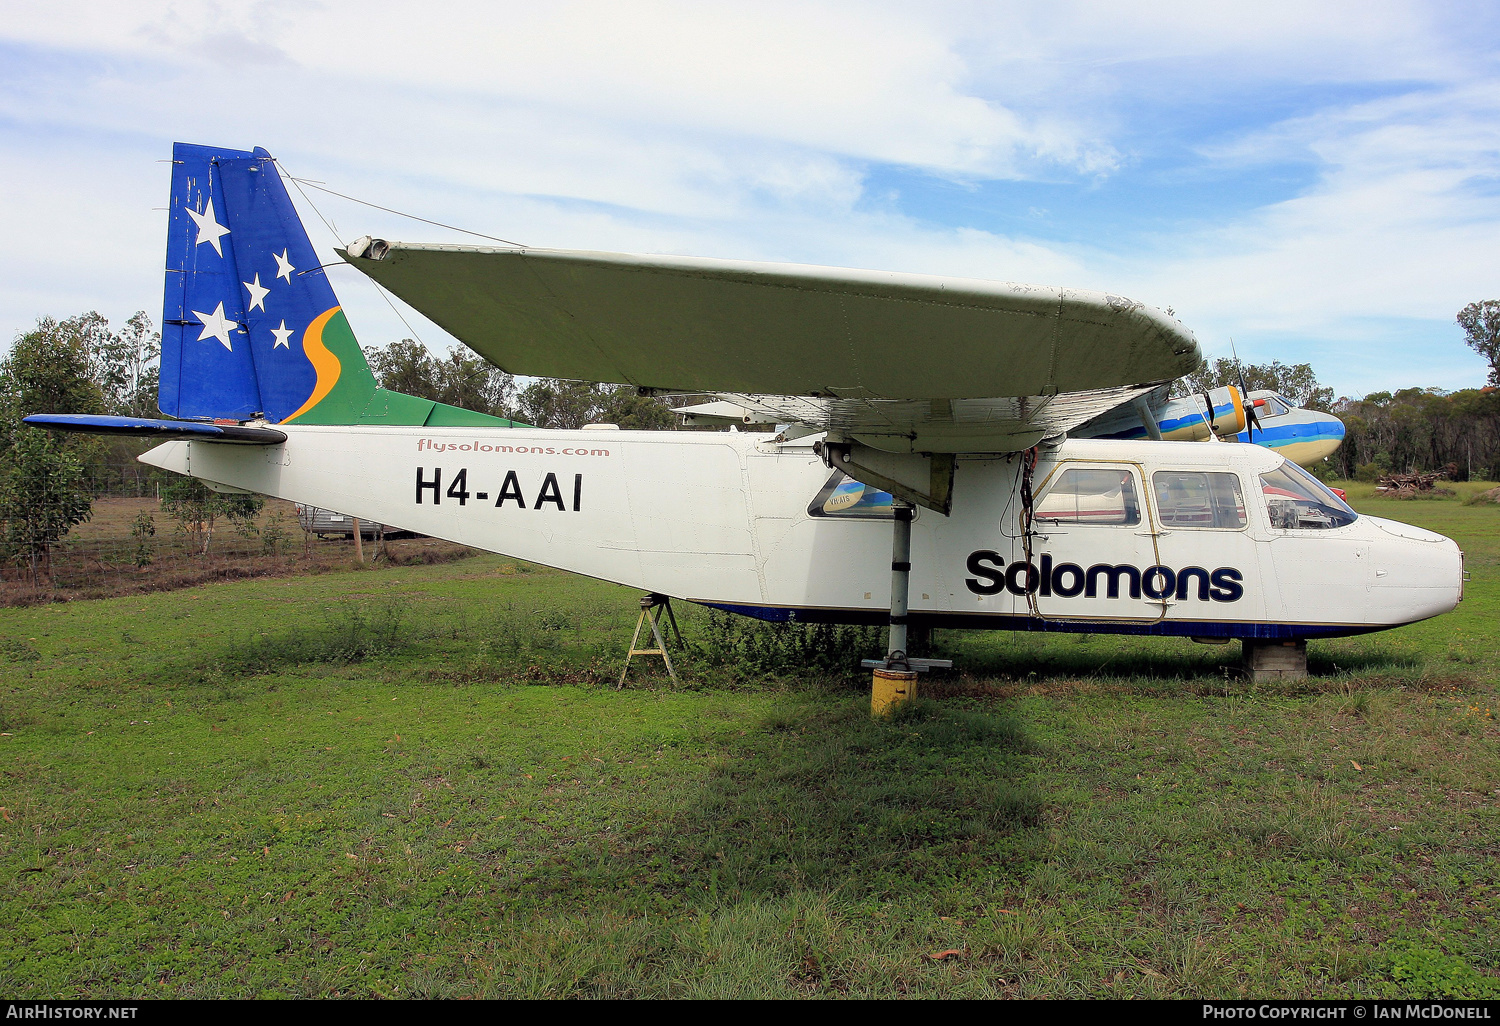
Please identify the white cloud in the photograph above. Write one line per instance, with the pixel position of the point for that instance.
(1401, 223)
(871, 82)
(749, 130)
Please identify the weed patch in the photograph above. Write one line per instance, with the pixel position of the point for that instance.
(18, 651)
(352, 633)
(1424, 973)
(762, 647)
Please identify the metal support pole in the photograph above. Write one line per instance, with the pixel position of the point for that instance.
(1148, 419)
(900, 586)
(896, 675)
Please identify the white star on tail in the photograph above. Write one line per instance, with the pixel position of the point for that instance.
(284, 267)
(257, 293)
(216, 325)
(209, 229)
(283, 335)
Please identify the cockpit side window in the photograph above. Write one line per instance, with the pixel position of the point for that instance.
(1296, 500)
(1090, 496)
(1270, 407)
(1198, 499)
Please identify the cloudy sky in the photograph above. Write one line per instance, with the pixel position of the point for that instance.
(1318, 182)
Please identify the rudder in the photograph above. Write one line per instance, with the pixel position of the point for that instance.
(251, 327)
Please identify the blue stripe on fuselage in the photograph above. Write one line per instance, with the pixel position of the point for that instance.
(1295, 430)
(1014, 622)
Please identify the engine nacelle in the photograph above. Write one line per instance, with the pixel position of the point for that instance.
(1229, 411)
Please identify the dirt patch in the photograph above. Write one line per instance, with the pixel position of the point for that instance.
(104, 559)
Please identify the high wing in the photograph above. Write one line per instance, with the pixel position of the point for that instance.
(900, 362)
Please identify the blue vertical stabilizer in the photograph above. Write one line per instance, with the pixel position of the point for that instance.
(243, 286)
(252, 327)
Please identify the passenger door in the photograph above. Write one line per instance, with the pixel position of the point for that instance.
(1208, 570)
(1321, 564)
(1092, 536)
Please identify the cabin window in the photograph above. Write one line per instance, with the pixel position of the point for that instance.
(1190, 498)
(843, 497)
(1079, 496)
(1295, 500)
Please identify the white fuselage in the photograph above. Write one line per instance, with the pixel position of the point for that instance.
(723, 519)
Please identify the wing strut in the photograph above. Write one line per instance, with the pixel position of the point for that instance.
(1148, 419)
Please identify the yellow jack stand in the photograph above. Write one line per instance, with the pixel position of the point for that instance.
(891, 689)
(649, 606)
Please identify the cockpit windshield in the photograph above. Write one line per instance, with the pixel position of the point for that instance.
(1298, 501)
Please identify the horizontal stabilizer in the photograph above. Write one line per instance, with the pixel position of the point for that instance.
(161, 430)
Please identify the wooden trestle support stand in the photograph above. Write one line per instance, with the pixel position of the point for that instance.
(650, 603)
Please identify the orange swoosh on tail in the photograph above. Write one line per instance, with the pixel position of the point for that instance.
(324, 362)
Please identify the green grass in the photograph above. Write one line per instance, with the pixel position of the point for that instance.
(420, 781)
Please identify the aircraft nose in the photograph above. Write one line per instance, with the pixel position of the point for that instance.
(1318, 436)
(1415, 573)
(1331, 426)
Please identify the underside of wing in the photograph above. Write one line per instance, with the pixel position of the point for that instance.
(1003, 424)
(894, 346)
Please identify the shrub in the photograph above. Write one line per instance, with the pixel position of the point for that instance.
(143, 529)
(773, 648)
(274, 533)
(352, 633)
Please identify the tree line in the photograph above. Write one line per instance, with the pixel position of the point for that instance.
(464, 379)
(49, 479)
(1413, 430)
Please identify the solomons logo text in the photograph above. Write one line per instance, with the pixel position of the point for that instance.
(1067, 580)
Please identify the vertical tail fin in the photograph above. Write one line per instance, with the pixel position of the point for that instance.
(251, 326)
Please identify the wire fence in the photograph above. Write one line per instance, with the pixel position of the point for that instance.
(131, 545)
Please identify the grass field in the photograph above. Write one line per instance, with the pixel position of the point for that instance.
(419, 781)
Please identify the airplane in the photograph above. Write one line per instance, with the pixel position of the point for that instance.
(1303, 436)
(952, 398)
